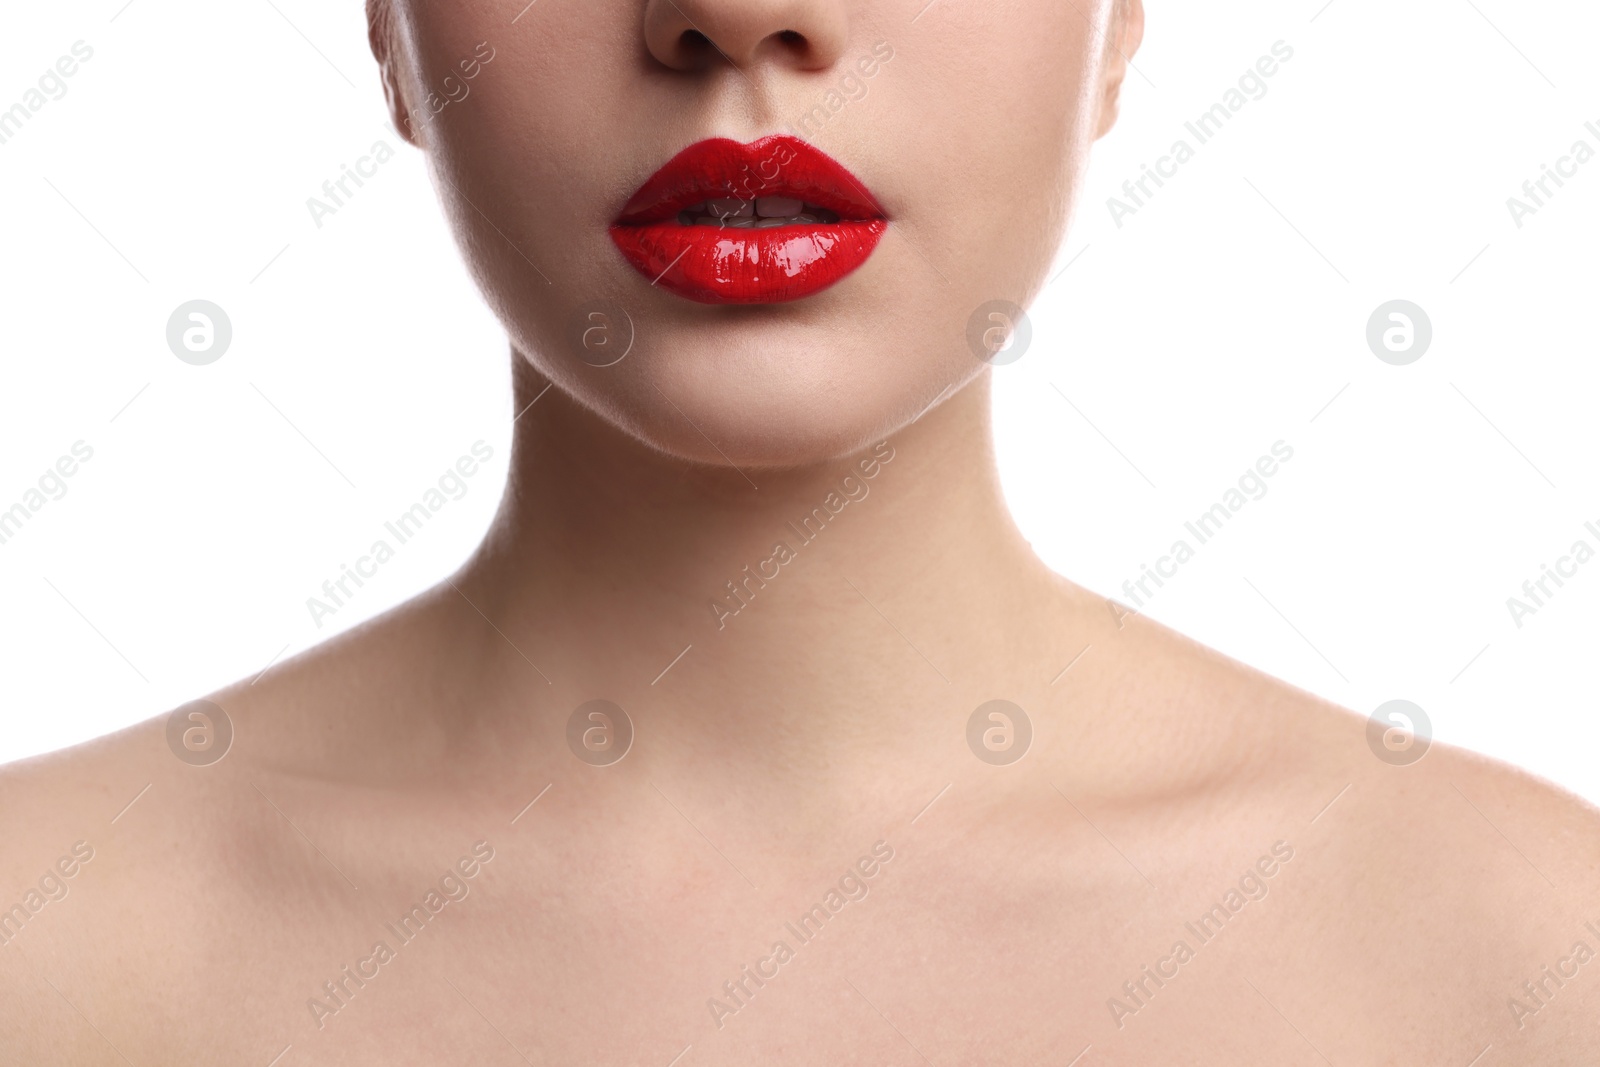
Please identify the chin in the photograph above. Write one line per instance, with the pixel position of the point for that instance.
(756, 388)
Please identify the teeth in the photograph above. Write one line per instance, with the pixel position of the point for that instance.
(763, 213)
(778, 207)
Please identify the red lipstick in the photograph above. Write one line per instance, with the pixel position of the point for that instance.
(761, 223)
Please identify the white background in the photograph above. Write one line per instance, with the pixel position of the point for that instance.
(1227, 314)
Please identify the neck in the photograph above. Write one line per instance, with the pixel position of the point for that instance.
(896, 566)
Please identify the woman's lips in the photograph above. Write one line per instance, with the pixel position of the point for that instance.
(762, 223)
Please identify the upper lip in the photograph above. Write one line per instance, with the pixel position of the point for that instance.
(776, 166)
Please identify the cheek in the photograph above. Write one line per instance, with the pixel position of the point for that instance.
(533, 165)
(1016, 114)
(536, 156)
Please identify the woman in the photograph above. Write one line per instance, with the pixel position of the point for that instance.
(754, 732)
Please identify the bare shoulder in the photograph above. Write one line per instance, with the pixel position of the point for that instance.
(1452, 899)
(78, 793)
(127, 860)
(1469, 892)
(70, 824)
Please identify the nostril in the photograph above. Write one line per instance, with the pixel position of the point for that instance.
(793, 42)
(692, 49)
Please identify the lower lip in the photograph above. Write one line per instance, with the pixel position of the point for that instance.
(724, 265)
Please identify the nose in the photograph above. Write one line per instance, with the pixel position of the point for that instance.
(691, 35)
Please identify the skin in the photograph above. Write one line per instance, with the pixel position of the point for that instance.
(1404, 906)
